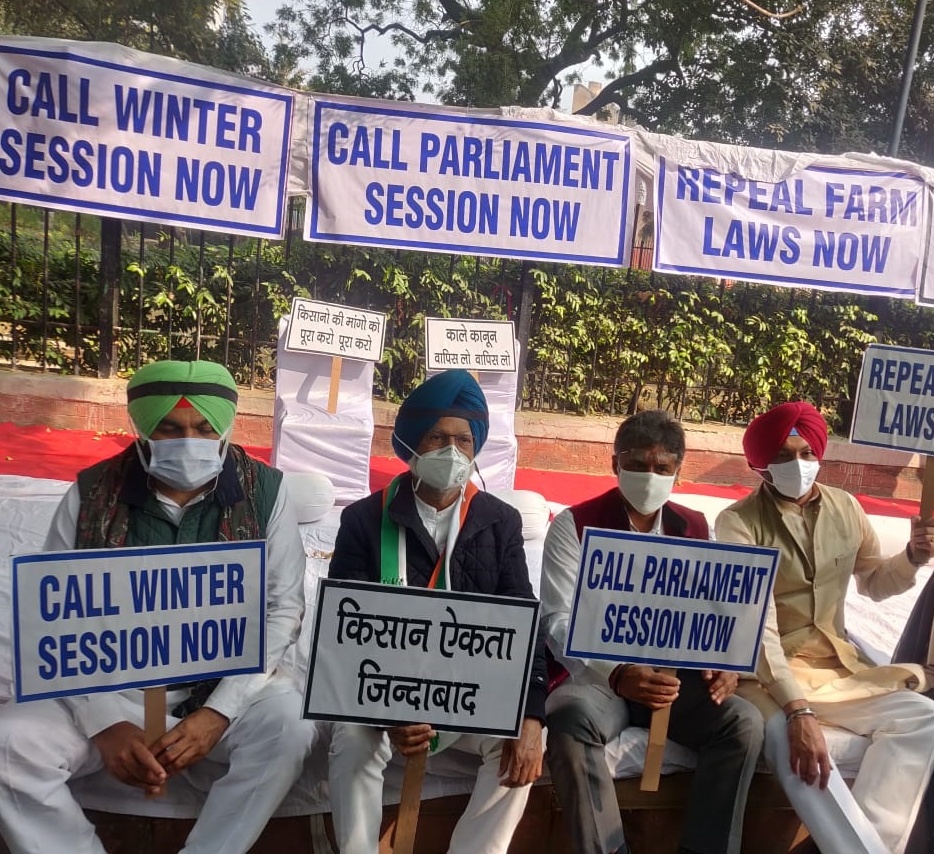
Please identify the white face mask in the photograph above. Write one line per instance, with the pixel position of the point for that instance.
(185, 463)
(645, 490)
(795, 478)
(444, 469)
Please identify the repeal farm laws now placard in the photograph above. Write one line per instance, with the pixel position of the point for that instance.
(105, 620)
(83, 130)
(894, 406)
(448, 182)
(828, 227)
(669, 601)
(388, 655)
(333, 329)
(473, 345)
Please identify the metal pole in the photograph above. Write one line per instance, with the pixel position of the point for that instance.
(907, 71)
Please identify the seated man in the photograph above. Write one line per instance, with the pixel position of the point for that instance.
(807, 664)
(457, 538)
(180, 482)
(597, 699)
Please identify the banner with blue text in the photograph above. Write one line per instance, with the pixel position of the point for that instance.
(670, 602)
(828, 227)
(440, 181)
(104, 620)
(894, 406)
(85, 128)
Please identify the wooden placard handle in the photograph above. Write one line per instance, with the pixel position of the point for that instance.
(154, 714)
(154, 717)
(409, 803)
(655, 751)
(927, 489)
(336, 363)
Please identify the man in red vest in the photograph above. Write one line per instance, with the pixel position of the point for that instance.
(592, 701)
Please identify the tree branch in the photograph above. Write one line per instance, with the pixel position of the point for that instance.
(425, 38)
(573, 52)
(608, 94)
(774, 15)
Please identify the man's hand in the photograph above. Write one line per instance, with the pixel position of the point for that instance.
(125, 755)
(720, 683)
(521, 761)
(409, 740)
(645, 685)
(191, 739)
(921, 543)
(808, 751)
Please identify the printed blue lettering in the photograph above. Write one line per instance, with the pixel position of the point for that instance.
(541, 217)
(337, 134)
(687, 186)
(593, 579)
(875, 372)
(49, 669)
(48, 610)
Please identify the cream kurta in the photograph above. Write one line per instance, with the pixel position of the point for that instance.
(805, 651)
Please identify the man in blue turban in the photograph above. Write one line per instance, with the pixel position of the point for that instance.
(181, 482)
(432, 527)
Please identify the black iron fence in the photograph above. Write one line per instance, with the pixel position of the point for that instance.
(100, 297)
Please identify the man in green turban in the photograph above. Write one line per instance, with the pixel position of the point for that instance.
(180, 482)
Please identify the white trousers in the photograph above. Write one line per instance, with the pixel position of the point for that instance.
(876, 816)
(262, 753)
(358, 757)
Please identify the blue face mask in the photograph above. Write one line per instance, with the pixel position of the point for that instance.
(185, 464)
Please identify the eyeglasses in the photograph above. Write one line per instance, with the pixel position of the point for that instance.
(438, 439)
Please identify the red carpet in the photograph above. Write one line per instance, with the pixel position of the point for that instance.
(38, 451)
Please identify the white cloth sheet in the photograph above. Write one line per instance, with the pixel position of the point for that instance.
(308, 438)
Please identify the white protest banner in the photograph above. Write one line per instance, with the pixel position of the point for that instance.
(386, 655)
(473, 345)
(88, 621)
(388, 175)
(828, 227)
(894, 406)
(669, 601)
(333, 329)
(87, 129)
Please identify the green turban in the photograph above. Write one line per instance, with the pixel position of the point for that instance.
(156, 388)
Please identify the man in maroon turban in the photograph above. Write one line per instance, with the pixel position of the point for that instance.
(810, 670)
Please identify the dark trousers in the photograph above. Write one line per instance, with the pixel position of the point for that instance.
(727, 738)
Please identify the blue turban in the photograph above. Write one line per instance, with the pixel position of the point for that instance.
(454, 394)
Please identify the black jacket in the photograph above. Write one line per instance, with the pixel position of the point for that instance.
(488, 557)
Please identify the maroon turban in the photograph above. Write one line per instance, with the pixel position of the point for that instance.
(766, 433)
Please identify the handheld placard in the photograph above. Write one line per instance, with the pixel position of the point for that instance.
(669, 603)
(893, 409)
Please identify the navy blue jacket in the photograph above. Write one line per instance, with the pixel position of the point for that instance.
(488, 557)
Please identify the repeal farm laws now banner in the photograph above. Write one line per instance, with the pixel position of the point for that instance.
(105, 620)
(449, 182)
(84, 129)
(894, 406)
(827, 227)
(387, 655)
(669, 601)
